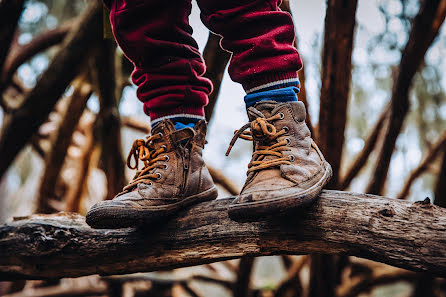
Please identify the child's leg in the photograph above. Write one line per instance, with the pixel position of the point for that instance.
(260, 36)
(155, 35)
(287, 170)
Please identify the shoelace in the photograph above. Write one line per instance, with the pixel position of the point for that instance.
(262, 130)
(144, 150)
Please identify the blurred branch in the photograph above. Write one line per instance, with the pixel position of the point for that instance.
(440, 189)
(363, 156)
(340, 22)
(23, 53)
(62, 245)
(216, 59)
(138, 125)
(285, 6)
(10, 11)
(438, 147)
(60, 143)
(241, 285)
(61, 291)
(425, 28)
(20, 125)
(220, 179)
(77, 186)
(292, 284)
(108, 128)
(364, 285)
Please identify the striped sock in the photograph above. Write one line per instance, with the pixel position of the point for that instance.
(287, 94)
(179, 120)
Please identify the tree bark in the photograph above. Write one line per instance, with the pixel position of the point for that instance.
(425, 28)
(20, 125)
(396, 232)
(55, 158)
(216, 60)
(10, 11)
(108, 129)
(336, 78)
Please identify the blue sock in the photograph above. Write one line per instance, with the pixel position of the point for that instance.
(288, 94)
(181, 125)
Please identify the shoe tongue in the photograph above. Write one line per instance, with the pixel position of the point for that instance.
(262, 109)
(165, 126)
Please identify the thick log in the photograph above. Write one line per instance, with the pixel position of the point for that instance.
(396, 232)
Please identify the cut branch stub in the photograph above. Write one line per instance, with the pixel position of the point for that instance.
(396, 232)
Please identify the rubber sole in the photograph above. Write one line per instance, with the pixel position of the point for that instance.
(253, 211)
(114, 217)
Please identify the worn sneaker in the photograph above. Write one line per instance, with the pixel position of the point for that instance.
(287, 169)
(174, 176)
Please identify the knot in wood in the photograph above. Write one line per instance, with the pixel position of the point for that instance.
(426, 203)
(387, 212)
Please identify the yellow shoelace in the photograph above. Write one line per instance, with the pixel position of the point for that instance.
(144, 150)
(262, 130)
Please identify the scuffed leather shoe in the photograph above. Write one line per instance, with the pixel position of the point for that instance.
(287, 169)
(174, 176)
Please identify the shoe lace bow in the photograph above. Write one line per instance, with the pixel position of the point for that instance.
(145, 151)
(263, 131)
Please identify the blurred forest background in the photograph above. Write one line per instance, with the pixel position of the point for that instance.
(373, 81)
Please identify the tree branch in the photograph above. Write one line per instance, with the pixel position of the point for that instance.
(20, 125)
(340, 22)
(108, 130)
(428, 159)
(396, 232)
(23, 53)
(10, 11)
(216, 59)
(363, 156)
(55, 159)
(425, 28)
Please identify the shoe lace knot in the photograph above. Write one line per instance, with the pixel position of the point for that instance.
(145, 151)
(263, 131)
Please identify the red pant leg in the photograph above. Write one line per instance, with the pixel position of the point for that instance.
(155, 35)
(260, 36)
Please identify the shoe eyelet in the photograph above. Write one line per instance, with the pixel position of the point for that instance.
(150, 184)
(160, 134)
(282, 116)
(165, 167)
(292, 158)
(164, 147)
(167, 158)
(288, 141)
(286, 129)
(159, 176)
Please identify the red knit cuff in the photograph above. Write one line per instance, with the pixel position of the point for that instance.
(272, 81)
(179, 112)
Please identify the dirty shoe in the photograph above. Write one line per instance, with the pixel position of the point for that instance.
(287, 170)
(174, 176)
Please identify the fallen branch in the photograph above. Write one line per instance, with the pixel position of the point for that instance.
(396, 232)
